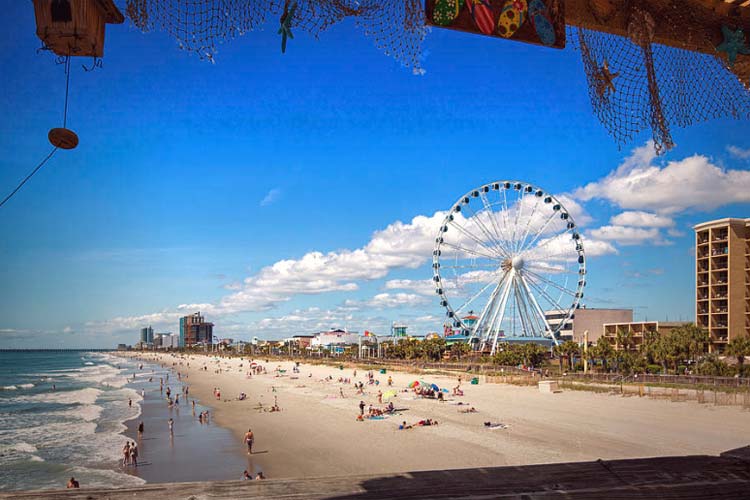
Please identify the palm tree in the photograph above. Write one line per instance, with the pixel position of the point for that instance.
(603, 350)
(460, 349)
(739, 348)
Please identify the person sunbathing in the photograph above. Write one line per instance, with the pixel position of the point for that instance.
(469, 410)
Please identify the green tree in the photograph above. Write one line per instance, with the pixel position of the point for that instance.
(569, 349)
(433, 349)
(711, 365)
(740, 349)
(460, 349)
(533, 354)
(603, 351)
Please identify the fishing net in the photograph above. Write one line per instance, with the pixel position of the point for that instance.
(636, 84)
(199, 26)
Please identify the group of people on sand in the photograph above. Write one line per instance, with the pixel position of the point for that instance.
(246, 476)
(421, 423)
(373, 412)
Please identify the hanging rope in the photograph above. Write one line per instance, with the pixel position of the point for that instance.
(67, 86)
(28, 177)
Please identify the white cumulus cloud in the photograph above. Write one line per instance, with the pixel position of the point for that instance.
(693, 183)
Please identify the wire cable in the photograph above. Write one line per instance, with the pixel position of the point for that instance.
(28, 176)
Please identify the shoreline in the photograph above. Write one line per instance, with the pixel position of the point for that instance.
(317, 434)
(195, 452)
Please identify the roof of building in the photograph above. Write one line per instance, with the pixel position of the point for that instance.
(721, 222)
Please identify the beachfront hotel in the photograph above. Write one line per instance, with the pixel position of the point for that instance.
(638, 331)
(195, 330)
(722, 280)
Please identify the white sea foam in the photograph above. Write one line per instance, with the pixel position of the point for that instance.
(89, 413)
(26, 386)
(9, 388)
(85, 396)
(88, 363)
(19, 447)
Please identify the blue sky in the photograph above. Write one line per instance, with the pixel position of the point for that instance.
(193, 179)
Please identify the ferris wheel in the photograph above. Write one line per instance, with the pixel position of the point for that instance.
(508, 263)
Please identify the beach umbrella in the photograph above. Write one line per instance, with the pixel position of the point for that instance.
(388, 394)
(413, 384)
(435, 387)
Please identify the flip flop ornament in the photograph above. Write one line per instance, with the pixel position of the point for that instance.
(286, 24)
(540, 18)
(511, 17)
(482, 15)
(446, 11)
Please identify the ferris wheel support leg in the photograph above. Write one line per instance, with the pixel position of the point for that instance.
(498, 320)
(536, 306)
(476, 331)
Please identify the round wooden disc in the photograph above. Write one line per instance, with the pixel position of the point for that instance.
(63, 138)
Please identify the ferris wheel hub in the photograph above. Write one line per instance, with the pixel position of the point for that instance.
(517, 263)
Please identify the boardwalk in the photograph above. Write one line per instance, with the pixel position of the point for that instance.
(691, 477)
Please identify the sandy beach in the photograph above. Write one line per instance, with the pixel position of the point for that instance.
(317, 432)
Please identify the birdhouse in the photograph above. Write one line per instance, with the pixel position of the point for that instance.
(75, 27)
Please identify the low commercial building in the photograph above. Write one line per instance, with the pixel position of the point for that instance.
(586, 319)
(335, 337)
(638, 331)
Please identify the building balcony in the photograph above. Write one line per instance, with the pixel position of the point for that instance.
(718, 296)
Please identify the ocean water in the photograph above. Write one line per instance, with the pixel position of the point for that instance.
(47, 436)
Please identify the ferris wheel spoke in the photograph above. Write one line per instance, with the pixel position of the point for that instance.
(465, 232)
(541, 231)
(488, 307)
(499, 312)
(554, 304)
(528, 223)
(526, 328)
(546, 242)
(475, 266)
(478, 294)
(488, 210)
(551, 283)
(538, 309)
(519, 211)
(548, 269)
(472, 252)
(499, 247)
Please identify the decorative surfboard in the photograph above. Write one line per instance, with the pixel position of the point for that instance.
(541, 22)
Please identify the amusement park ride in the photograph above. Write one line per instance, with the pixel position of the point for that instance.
(507, 249)
(512, 251)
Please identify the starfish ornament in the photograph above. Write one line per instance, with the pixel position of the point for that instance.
(733, 44)
(286, 25)
(605, 80)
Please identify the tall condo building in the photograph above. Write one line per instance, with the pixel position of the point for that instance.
(194, 329)
(147, 335)
(722, 280)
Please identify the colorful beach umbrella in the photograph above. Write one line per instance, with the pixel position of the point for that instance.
(435, 387)
(414, 384)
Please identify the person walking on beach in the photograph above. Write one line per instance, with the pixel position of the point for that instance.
(73, 483)
(126, 454)
(361, 407)
(130, 403)
(140, 429)
(249, 438)
(380, 397)
(170, 422)
(134, 454)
